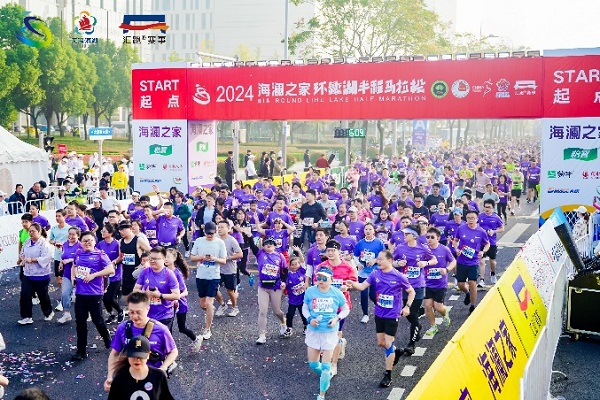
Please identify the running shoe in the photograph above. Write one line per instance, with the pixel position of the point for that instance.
(333, 370)
(111, 318)
(432, 331)
(410, 349)
(467, 299)
(207, 334)
(364, 319)
(59, 307)
(446, 321)
(221, 310)
(35, 301)
(282, 328)
(120, 317)
(319, 397)
(25, 321)
(65, 318)
(288, 333)
(512, 213)
(197, 344)
(471, 309)
(493, 279)
(79, 356)
(49, 317)
(233, 312)
(386, 381)
(397, 354)
(481, 283)
(343, 343)
(262, 339)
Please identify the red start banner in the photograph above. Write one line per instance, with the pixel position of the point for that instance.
(572, 86)
(453, 89)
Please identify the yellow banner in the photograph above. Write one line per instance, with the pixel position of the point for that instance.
(484, 360)
(523, 303)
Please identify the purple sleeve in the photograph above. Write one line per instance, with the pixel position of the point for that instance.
(180, 282)
(142, 277)
(104, 260)
(117, 342)
(371, 278)
(172, 280)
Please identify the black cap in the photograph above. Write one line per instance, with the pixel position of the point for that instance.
(333, 244)
(269, 240)
(124, 224)
(138, 346)
(210, 227)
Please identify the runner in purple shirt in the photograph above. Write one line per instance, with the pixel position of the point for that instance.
(169, 227)
(436, 281)
(110, 246)
(470, 242)
(40, 219)
(389, 285)
(73, 219)
(296, 286)
(89, 266)
(160, 283)
(347, 241)
(355, 226)
(439, 220)
(491, 223)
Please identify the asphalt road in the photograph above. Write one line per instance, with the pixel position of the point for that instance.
(230, 365)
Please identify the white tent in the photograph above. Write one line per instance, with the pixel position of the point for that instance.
(20, 163)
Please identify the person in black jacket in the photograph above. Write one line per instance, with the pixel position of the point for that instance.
(306, 159)
(311, 214)
(265, 167)
(229, 169)
(17, 197)
(209, 210)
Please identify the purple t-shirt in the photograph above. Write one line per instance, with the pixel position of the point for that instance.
(282, 239)
(356, 229)
(295, 286)
(112, 251)
(40, 219)
(69, 252)
(168, 229)
(471, 241)
(273, 215)
(161, 340)
(90, 262)
(376, 203)
(313, 257)
(439, 221)
(269, 269)
(388, 292)
(413, 255)
(183, 301)
(433, 277)
(78, 222)
(317, 186)
(164, 281)
(397, 238)
(149, 228)
(492, 222)
(348, 243)
(534, 174)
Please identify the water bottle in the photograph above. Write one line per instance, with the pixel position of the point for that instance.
(251, 280)
(319, 318)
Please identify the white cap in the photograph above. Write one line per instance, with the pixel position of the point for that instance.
(2, 193)
(581, 209)
(97, 200)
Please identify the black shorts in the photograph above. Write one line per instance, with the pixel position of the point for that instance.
(478, 194)
(531, 184)
(492, 251)
(516, 192)
(389, 326)
(207, 287)
(229, 281)
(58, 273)
(437, 294)
(464, 272)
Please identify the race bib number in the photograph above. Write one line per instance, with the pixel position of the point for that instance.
(308, 221)
(326, 224)
(442, 229)
(209, 264)
(385, 300)
(367, 256)
(166, 244)
(383, 236)
(81, 272)
(413, 272)
(337, 283)
(298, 289)
(129, 259)
(298, 232)
(270, 269)
(323, 305)
(376, 210)
(155, 301)
(434, 273)
(468, 252)
(151, 233)
(278, 243)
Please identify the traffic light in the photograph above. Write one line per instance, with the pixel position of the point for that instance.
(48, 144)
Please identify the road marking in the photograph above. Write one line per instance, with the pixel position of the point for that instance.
(502, 245)
(419, 352)
(408, 370)
(513, 234)
(426, 337)
(535, 213)
(396, 393)
(454, 297)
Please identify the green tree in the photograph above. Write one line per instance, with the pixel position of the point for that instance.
(369, 28)
(9, 78)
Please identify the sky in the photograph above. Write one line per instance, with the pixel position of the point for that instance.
(537, 24)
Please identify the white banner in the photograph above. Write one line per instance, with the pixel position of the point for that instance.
(10, 225)
(202, 153)
(160, 150)
(570, 168)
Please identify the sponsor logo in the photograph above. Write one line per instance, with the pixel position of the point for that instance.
(522, 293)
(559, 174)
(563, 190)
(201, 96)
(439, 89)
(590, 174)
(35, 32)
(575, 153)
(460, 88)
(85, 23)
(177, 180)
(486, 87)
(525, 87)
(157, 149)
(146, 167)
(149, 180)
(502, 85)
(202, 147)
(172, 167)
(151, 22)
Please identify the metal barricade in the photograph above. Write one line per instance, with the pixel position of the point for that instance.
(15, 207)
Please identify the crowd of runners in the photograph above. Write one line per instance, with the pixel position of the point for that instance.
(400, 230)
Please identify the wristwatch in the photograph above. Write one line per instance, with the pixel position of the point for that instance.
(161, 296)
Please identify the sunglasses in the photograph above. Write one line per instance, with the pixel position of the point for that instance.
(321, 278)
(431, 237)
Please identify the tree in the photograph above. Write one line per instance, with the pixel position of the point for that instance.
(9, 78)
